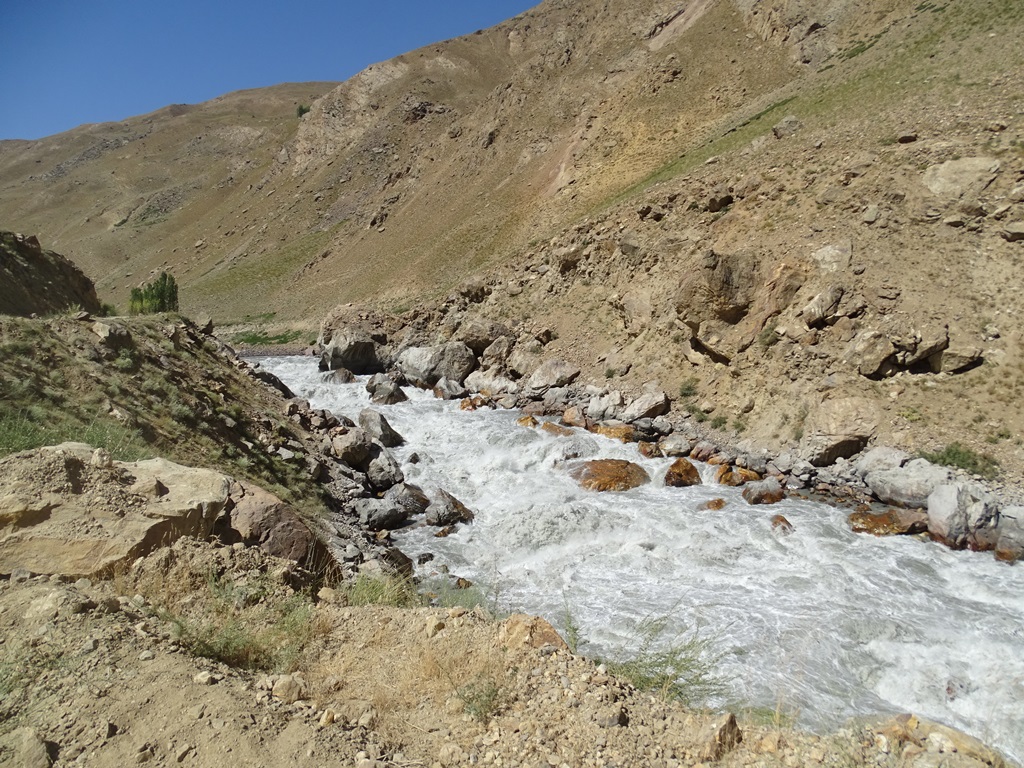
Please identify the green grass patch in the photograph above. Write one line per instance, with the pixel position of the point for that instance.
(264, 339)
(962, 457)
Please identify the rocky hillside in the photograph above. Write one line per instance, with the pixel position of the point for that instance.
(784, 203)
(38, 282)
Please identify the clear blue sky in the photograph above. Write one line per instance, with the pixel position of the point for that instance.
(68, 62)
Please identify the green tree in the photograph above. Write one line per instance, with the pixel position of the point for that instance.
(161, 295)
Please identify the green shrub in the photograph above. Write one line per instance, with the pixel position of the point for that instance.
(962, 457)
(719, 421)
(678, 666)
(301, 110)
(688, 388)
(161, 295)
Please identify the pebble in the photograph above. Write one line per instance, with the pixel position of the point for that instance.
(205, 678)
(147, 656)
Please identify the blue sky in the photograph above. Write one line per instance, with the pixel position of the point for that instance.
(68, 62)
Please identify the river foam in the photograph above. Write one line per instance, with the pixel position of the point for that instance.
(823, 624)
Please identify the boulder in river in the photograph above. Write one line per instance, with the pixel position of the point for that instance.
(609, 475)
(384, 390)
(963, 515)
(891, 522)
(446, 510)
(767, 491)
(375, 425)
(1010, 544)
(682, 474)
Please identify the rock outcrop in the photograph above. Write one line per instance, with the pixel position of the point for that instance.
(34, 281)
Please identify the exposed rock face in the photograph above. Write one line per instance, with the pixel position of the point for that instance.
(840, 427)
(609, 475)
(92, 517)
(34, 281)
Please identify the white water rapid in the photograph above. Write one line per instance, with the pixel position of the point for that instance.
(823, 623)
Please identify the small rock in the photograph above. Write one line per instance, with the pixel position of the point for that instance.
(205, 678)
(147, 656)
(723, 736)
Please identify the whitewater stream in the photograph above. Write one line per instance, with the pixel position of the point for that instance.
(822, 624)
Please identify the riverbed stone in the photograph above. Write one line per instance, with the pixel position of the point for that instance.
(767, 491)
(909, 485)
(682, 474)
(376, 426)
(891, 522)
(609, 475)
(446, 510)
(1010, 544)
(380, 514)
(963, 515)
(425, 366)
(878, 458)
(734, 476)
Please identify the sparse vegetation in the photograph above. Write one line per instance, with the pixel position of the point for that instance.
(677, 665)
(302, 109)
(962, 457)
(688, 388)
(161, 295)
(263, 339)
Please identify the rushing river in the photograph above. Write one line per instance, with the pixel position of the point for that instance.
(822, 624)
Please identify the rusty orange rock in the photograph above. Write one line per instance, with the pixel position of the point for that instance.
(682, 474)
(622, 432)
(892, 522)
(555, 429)
(609, 475)
(713, 504)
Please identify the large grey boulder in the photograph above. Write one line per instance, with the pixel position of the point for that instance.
(954, 179)
(384, 390)
(355, 350)
(909, 485)
(377, 427)
(447, 510)
(553, 373)
(492, 383)
(1010, 544)
(410, 497)
(382, 469)
(425, 366)
(479, 334)
(838, 428)
(647, 406)
(880, 457)
(606, 406)
(963, 515)
(380, 514)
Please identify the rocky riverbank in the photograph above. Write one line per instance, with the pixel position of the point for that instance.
(488, 365)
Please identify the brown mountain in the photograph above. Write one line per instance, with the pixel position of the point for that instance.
(789, 201)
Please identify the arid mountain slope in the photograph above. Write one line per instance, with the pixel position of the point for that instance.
(669, 186)
(439, 162)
